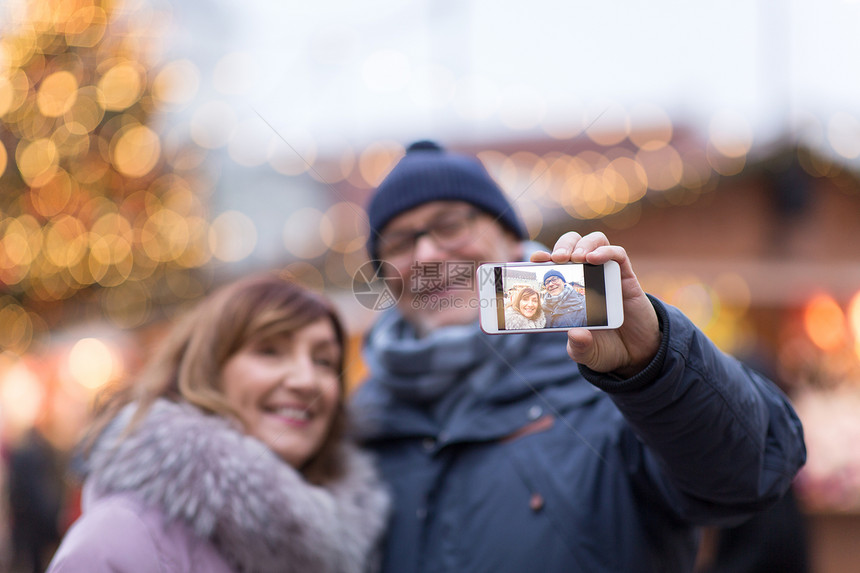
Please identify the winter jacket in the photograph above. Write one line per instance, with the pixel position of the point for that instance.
(544, 471)
(188, 492)
(566, 309)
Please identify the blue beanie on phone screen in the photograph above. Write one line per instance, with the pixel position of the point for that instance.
(552, 273)
(429, 173)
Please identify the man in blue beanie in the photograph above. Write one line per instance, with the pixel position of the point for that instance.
(578, 452)
(564, 306)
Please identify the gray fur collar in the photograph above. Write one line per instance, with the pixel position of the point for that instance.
(229, 488)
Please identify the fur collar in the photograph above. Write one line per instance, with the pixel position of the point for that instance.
(229, 488)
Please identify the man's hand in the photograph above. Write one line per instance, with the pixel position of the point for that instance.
(627, 350)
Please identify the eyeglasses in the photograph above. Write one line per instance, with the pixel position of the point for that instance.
(553, 280)
(449, 232)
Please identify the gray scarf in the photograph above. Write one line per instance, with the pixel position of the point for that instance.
(568, 300)
(436, 370)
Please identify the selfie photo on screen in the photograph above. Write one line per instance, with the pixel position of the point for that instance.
(545, 297)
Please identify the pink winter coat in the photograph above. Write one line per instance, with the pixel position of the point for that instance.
(187, 492)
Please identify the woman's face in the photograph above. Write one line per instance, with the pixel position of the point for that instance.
(529, 305)
(286, 389)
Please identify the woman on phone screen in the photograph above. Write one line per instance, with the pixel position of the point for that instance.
(526, 311)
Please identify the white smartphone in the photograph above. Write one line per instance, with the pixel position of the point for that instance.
(548, 297)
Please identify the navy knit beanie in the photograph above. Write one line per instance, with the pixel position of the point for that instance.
(553, 273)
(429, 173)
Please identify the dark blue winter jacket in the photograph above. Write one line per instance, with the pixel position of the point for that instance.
(569, 476)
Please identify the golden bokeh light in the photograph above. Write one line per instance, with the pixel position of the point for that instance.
(854, 320)
(57, 93)
(65, 241)
(725, 164)
(824, 322)
(176, 84)
(86, 113)
(37, 161)
(650, 127)
(135, 150)
(121, 86)
(4, 159)
(730, 134)
(635, 178)
(164, 235)
(16, 327)
(610, 124)
(87, 26)
(22, 395)
(377, 159)
(14, 87)
(51, 198)
(92, 364)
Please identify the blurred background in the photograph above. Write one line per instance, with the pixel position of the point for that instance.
(151, 150)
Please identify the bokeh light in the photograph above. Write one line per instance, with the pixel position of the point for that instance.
(824, 322)
(233, 236)
(730, 134)
(57, 94)
(176, 84)
(308, 233)
(22, 395)
(92, 364)
(121, 85)
(135, 150)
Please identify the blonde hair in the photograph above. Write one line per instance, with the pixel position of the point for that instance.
(187, 365)
(519, 296)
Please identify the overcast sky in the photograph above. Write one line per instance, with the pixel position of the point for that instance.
(398, 70)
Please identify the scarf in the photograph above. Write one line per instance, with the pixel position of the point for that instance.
(435, 371)
(566, 302)
(232, 490)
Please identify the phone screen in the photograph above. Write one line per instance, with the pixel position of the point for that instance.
(550, 296)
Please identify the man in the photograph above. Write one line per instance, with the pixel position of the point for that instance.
(501, 453)
(564, 306)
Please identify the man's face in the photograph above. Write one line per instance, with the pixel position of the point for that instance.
(438, 267)
(554, 285)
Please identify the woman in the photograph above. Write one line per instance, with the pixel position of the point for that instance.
(526, 311)
(228, 454)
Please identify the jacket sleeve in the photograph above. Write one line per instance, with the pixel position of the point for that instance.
(112, 538)
(720, 441)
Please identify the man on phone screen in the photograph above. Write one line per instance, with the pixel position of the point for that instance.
(568, 452)
(563, 305)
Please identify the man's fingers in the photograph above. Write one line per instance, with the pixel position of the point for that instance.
(564, 246)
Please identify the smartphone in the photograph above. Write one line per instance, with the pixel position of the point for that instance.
(548, 297)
